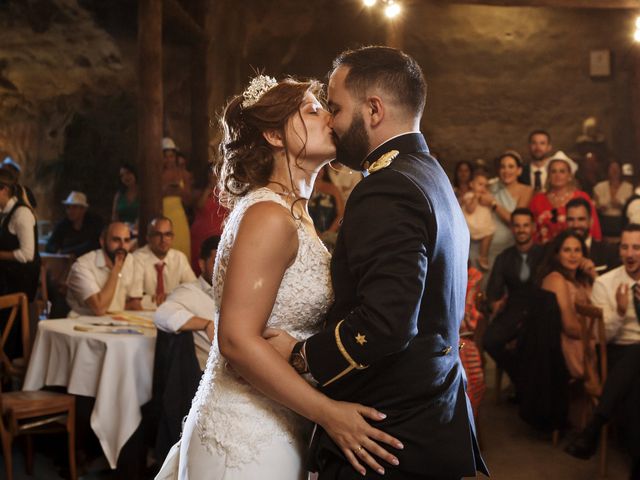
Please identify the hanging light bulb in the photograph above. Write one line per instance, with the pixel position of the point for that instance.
(636, 34)
(392, 10)
(369, 3)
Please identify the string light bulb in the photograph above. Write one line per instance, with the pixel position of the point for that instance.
(392, 10)
(636, 34)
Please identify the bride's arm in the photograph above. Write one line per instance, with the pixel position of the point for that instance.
(266, 245)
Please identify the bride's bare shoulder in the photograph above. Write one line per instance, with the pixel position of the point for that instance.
(269, 224)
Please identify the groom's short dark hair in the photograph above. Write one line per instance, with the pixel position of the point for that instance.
(388, 69)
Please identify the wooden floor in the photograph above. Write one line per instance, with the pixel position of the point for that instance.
(512, 450)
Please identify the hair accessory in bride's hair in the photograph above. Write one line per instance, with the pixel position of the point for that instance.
(257, 88)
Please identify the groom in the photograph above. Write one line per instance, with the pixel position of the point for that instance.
(399, 272)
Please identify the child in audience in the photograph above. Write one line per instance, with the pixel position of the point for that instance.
(479, 218)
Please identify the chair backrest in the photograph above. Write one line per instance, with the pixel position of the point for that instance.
(15, 302)
(592, 327)
(54, 270)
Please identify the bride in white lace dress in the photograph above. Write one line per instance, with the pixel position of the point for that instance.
(247, 420)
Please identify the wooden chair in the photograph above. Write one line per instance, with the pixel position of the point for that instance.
(15, 302)
(592, 326)
(54, 270)
(26, 413)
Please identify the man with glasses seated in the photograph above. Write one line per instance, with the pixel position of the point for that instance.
(105, 280)
(163, 268)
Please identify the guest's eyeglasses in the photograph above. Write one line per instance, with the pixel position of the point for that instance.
(162, 234)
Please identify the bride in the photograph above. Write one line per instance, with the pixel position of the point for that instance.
(252, 414)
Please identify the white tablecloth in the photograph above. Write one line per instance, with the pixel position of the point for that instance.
(115, 369)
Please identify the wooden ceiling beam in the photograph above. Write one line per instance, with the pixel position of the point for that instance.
(604, 4)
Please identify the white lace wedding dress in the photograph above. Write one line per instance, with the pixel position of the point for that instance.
(233, 432)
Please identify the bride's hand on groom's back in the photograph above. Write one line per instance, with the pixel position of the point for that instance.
(359, 441)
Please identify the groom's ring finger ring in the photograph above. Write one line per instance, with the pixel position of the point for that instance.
(359, 450)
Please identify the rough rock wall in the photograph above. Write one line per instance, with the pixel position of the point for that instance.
(54, 62)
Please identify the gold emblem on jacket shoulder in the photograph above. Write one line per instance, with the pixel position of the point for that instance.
(384, 161)
(361, 339)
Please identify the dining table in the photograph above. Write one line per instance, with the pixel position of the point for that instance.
(109, 358)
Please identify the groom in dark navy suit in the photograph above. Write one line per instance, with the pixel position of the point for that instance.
(399, 273)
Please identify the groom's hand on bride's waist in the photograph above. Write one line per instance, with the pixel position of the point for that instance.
(281, 341)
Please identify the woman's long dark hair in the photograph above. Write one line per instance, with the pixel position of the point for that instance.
(132, 170)
(9, 179)
(456, 180)
(245, 157)
(551, 263)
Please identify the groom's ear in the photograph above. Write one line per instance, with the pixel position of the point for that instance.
(375, 110)
(274, 137)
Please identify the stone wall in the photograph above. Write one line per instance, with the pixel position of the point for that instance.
(496, 73)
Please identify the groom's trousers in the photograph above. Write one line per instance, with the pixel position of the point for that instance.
(340, 470)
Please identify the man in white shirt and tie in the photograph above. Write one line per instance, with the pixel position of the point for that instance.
(535, 172)
(618, 294)
(191, 306)
(163, 268)
(105, 280)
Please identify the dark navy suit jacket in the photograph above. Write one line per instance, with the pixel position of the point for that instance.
(399, 272)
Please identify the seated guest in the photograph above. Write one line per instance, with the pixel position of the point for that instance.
(79, 232)
(549, 208)
(105, 279)
(604, 255)
(618, 294)
(568, 273)
(631, 209)
(610, 196)
(191, 305)
(470, 354)
(163, 268)
(508, 291)
(209, 218)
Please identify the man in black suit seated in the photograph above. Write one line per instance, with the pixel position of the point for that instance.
(605, 256)
(508, 291)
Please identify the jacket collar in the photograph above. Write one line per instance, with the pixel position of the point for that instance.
(413, 142)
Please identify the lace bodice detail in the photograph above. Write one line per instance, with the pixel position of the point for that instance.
(231, 414)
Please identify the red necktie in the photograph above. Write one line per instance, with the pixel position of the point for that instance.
(160, 279)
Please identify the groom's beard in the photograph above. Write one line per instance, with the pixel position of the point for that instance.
(353, 146)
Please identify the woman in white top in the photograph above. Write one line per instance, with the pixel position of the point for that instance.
(19, 259)
(247, 420)
(610, 197)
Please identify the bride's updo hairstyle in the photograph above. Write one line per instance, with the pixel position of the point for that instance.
(246, 158)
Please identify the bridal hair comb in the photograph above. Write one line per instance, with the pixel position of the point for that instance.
(257, 88)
